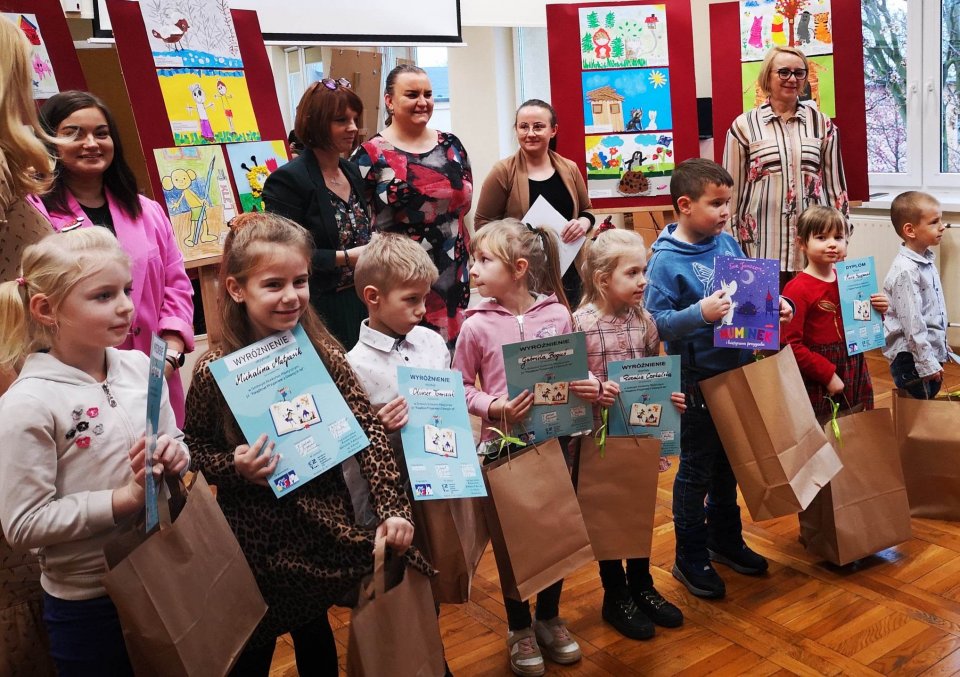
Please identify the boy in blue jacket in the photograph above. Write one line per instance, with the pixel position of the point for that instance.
(685, 303)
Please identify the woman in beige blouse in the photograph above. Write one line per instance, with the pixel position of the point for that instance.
(784, 156)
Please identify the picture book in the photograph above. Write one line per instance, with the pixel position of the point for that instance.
(862, 325)
(645, 388)
(279, 386)
(437, 440)
(753, 287)
(545, 367)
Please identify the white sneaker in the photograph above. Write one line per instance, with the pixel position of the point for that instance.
(556, 641)
(525, 657)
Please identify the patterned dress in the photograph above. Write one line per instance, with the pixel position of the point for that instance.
(24, 649)
(305, 550)
(779, 168)
(426, 196)
(816, 335)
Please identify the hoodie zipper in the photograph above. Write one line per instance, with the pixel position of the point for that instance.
(519, 319)
(110, 398)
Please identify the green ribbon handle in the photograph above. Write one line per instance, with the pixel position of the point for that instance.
(835, 407)
(506, 439)
(601, 434)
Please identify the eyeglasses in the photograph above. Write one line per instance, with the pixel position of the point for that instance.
(332, 84)
(537, 128)
(785, 73)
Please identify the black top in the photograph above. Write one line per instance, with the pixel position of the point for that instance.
(297, 191)
(555, 192)
(99, 216)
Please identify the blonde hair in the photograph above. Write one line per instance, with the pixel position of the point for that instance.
(906, 208)
(763, 78)
(391, 260)
(51, 267)
(602, 257)
(25, 165)
(509, 241)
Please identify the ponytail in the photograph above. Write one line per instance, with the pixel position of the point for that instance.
(550, 279)
(13, 323)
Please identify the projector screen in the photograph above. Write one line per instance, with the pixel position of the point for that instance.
(359, 22)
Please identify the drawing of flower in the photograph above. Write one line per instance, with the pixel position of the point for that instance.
(83, 442)
(93, 412)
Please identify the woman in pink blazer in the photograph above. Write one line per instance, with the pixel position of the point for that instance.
(94, 186)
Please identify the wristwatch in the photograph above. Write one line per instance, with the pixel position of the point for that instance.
(175, 359)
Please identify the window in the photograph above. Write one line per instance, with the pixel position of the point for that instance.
(615, 108)
(434, 61)
(304, 67)
(912, 76)
(597, 108)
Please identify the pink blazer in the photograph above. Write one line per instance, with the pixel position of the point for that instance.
(162, 293)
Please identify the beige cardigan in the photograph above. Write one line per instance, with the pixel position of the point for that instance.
(506, 191)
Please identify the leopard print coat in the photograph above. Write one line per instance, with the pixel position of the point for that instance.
(305, 549)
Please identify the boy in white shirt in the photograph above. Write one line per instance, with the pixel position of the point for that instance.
(915, 326)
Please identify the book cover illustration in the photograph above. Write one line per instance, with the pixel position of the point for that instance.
(753, 286)
(438, 446)
(862, 325)
(279, 386)
(545, 367)
(646, 384)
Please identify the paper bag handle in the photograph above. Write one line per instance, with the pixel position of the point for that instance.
(379, 566)
(626, 421)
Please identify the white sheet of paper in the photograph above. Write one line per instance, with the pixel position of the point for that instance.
(953, 356)
(542, 213)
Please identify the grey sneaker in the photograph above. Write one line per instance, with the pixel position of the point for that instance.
(525, 657)
(555, 640)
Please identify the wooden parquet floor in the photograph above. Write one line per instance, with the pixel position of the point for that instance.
(895, 613)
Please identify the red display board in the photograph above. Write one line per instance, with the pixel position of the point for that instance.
(56, 37)
(568, 75)
(146, 97)
(851, 116)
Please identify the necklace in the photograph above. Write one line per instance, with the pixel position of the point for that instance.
(336, 180)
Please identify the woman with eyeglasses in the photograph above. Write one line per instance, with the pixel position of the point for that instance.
(536, 169)
(784, 156)
(94, 186)
(323, 192)
(419, 183)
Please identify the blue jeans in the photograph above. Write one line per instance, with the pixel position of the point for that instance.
(905, 376)
(704, 473)
(85, 637)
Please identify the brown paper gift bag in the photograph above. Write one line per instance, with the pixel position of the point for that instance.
(534, 519)
(185, 594)
(617, 491)
(394, 628)
(864, 508)
(452, 534)
(928, 436)
(779, 453)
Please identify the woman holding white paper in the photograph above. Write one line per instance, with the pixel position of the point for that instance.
(535, 170)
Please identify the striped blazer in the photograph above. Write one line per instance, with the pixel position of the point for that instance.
(779, 168)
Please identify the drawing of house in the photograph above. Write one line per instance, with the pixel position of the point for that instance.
(606, 106)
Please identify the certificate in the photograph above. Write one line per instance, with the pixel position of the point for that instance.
(279, 386)
(437, 440)
(862, 325)
(645, 388)
(546, 367)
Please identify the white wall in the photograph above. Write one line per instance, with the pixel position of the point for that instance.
(483, 97)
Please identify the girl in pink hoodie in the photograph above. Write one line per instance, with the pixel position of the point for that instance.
(516, 269)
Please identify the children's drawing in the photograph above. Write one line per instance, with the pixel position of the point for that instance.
(440, 441)
(820, 85)
(861, 310)
(620, 36)
(787, 23)
(42, 78)
(626, 100)
(208, 106)
(198, 196)
(550, 393)
(629, 165)
(251, 164)
(191, 33)
(645, 415)
(296, 414)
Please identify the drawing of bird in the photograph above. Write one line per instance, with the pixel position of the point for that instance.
(172, 35)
